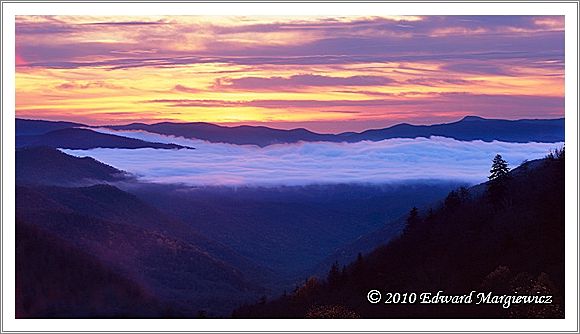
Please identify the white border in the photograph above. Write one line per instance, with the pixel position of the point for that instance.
(288, 9)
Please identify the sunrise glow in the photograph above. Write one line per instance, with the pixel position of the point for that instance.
(325, 74)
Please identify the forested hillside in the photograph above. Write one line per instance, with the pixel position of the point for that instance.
(507, 239)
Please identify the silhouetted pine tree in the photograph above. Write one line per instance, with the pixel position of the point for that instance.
(499, 168)
(334, 275)
(430, 215)
(359, 264)
(499, 175)
(463, 193)
(412, 219)
(343, 273)
(452, 200)
(557, 154)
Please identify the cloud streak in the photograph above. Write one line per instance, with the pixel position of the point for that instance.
(467, 103)
(387, 161)
(300, 81)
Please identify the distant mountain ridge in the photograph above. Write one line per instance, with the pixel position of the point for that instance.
(474, 128)
(239, 135)
(33, 127)
(467, 129)
(30, 133)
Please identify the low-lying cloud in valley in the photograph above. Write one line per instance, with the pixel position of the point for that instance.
(305, 163)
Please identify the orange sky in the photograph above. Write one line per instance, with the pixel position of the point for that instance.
(328, 74)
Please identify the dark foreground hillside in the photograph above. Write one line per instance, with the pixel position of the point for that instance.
(49, 270)
(203, 251)
(98, 251)
(45, 165)
(510, 246)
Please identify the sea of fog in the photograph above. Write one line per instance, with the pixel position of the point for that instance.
(304, 163)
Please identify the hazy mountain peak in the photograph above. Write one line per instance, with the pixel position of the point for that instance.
(472, 118)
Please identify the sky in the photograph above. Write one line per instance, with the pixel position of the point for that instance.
(326, 74)
(306, 163)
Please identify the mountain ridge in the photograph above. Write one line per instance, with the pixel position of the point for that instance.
(138, 242)
(49, 166)
(466, 129)
(82, 139)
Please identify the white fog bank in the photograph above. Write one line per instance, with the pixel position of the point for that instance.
(305, 163)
